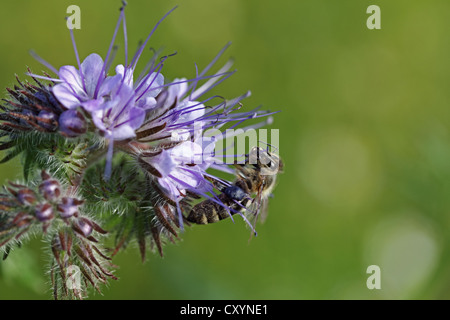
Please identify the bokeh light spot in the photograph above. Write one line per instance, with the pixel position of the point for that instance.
(406, 248)
(336, 166)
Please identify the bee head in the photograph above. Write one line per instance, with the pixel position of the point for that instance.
(268, 163)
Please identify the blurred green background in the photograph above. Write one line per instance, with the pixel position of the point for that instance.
(364, 133)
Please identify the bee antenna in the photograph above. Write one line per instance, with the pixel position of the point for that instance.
(268, 145)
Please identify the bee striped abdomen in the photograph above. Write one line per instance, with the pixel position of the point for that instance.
(209, 211)
(206, 212)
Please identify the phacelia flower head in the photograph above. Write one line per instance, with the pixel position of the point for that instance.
(161, 140)
(159, 122)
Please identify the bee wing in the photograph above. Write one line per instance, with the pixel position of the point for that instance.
(253, 211)
(217, 183)
(264, 209)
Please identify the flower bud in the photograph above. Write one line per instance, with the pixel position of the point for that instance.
(26, 196)
(50, 189)
(68, 207)
(44, 212)
(84, 226)
(72, 123)
(27, 113)
(49, 118)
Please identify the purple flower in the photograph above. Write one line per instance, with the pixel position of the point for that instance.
(117, 116)
(146, 89)
(79, 86)
(112, 106)
(181, 169)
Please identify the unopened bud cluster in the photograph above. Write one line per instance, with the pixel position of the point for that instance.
(35, 107)
(48, 203)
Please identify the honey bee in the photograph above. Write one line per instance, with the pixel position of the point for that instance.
(248, 195)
